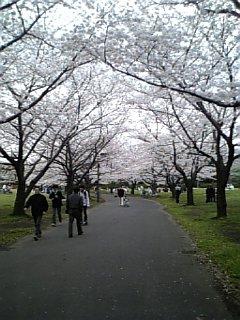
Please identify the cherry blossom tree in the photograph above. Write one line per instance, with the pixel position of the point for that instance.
(36, 53)
(220, 146)
(26, 142)
(81, 154)
(171, 147)
(20, 19)
(202, 67)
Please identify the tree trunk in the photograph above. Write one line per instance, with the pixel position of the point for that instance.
(172, 189)
(19, 203)
(190, 201)
(154, 187)
(222, 178)
(132, 189)
(70, 183)
(221, 202)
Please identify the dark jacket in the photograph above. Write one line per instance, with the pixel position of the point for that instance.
(56, 199)
(120, 192)
(38, 204)
(74, 204)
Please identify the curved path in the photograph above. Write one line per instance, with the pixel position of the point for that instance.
(130, 264)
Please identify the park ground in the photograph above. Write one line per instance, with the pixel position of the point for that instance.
(217, 240)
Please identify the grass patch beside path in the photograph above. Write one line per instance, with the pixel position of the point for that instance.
(217, 239)
(13, 228)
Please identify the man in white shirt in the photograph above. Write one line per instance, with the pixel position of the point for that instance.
(86, 203)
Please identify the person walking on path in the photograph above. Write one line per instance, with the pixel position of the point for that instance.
(86, 203)
(38, 204)
(56, 197)
(177, 193)
(121, 193)
(74, 206)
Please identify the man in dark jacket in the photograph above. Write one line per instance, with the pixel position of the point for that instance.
(74, 207)
(38, 204)
(56, 197)
(121, 193)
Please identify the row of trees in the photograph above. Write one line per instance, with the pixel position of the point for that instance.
(55, 117)
(64, 85)
(185, 54)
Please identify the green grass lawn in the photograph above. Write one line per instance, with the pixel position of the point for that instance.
(218, 239)
(14, 227)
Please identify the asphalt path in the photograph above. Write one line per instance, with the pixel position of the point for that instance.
(131, 263)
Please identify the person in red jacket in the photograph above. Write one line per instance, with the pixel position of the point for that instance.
(38, 204)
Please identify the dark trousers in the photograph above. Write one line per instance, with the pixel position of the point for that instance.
(37, 222)
(85, 213)
(70, 224)
(56, 211)
(210, 198)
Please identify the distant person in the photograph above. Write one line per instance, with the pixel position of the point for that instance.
(4, 188)
(121, 193)
(143, 193)
(86, 203)
(178, 191)
(212, 194)
(56, 196)
(208, 191)
(74, 206)
(149, 191)
(38, 204)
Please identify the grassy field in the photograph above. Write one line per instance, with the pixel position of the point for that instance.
(14, 227)
(217, 239)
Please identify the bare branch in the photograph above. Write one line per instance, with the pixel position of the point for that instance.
(8, 5)
(25, 30)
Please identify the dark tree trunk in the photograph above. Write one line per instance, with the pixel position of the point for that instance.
(222, 178)
(133, 187)
(154, 187)
(190, 201)
(20, 199)
(87, 183)
(172, 189)
(221, 202)
(70, 183)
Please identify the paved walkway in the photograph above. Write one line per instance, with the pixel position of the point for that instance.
(128, 265)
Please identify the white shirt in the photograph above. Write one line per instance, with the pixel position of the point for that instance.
(85, 197)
